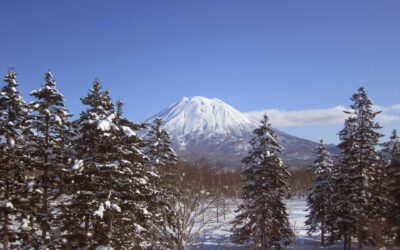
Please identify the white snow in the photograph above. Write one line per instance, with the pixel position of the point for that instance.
(9, 205)
(202, 115)
(128, 131)
(58, 119)
(104, 125)
(217, 234)
(100, 211)
(78, 164)
(107, 123)
(104, 248)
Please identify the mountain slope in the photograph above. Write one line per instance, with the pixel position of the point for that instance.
(211, 129)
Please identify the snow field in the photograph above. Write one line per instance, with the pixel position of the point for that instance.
(215, 234)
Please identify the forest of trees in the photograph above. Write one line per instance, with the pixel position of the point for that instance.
(99, 182)
(357, 197)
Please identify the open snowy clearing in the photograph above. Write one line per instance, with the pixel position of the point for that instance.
(216, 234)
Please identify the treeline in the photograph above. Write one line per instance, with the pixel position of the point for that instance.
(91, 183)
(357, 197)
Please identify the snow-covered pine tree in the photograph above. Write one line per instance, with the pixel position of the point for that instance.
(159, 147)
(110, 192)
(262, 221)
(392, 148)
(48, 158)
(132, 188)
(319, 199)
(360, 165)
(340, 221)
(14, 121)
(367, 162)
(93, 145)
(163, 161)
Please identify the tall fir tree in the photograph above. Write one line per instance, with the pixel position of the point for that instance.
(132, 188)
(392, 212)
(319, 200)
(361, 165)
(262, 221)
(340, 221)
(14, 122)
(110, 187)
(367, 163)
(163, 161)
(92, 145)
(48, 160)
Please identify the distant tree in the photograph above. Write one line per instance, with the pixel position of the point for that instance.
(159, 148)
(48, 157)
(163, 160)
(192, 204)
(262, 220)
(13, 135)
(319, 200)
(392, 148)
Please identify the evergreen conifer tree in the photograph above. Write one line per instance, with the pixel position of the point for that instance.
(132, 188)
(366, 164)
(319, 199)
(14, 121)
(92, 147)
(340, 221)
(110, 190)
(163, 162)
(262, 220)
(392, 148)
(48, 159)
(360, 167)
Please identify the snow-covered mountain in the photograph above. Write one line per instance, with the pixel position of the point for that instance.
(211, 129)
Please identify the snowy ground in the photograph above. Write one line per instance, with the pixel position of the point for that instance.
(216, 234)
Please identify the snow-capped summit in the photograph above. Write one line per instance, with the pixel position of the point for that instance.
(203, 116)
(203, 128)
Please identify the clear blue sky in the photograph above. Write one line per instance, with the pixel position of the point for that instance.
(254, 55)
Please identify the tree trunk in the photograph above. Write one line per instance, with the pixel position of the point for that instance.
(5, 222)
(109, 227)
(180, 237)
(5, 229)
(323, 235)
(217, 208)
(360, 238)
(44, 208)
(180, 242)
(45, 183)
(349, 242)
(86, 230)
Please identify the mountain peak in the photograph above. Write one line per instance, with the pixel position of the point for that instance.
(204, 128)
(199, 99)
(202, 115)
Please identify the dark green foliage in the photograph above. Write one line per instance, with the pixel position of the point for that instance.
(357, 199)
(110, 188)
(48, 151)
(14, 123)
(319, 200)
(262, 221)
(392, 212)
(163, 162)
